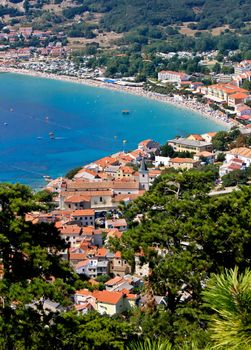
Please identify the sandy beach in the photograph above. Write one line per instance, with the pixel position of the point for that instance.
(176, 101)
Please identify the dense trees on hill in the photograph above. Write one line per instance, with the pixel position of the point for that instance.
(184, 234)
(124, 15)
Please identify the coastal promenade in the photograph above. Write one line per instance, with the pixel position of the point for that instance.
(178, 102)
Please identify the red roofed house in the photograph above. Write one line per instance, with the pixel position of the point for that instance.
(242, 153)
(149, 146)
(208, 136)
(195, 137)
(87, 174)
(221, 92)
(71, 233)
(237, 98)
(183, 163)
(97, 264)
(234, 164)
(77, 201)
(104, 302)
(83, 217)
(110, 303)
(205, 156)
(120, 224)
(125, 172)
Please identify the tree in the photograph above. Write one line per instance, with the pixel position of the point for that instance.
(185, 235)
(235, 177)
(216, 68)
(228, 295)
(221, 157)
(167, 150)
(71, 173)
(32, 269)
(247, 85)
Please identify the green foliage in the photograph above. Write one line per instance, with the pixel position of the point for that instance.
(228, 295)
(148, 344)
(221, 157)
(89, 332)
(247, 85)
(103, 278)
(185, 235)
(30, 257)
(168, 151)
(223, 139)
(235, 177)
(70, 175)
(71, 12)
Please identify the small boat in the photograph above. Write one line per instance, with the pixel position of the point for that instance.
(125, 111)
(11, 109)
(5, 123)
(46, 119)
(51, 134)
(39, 137)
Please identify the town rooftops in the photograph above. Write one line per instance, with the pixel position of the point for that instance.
(107, 297)
(238, 95)
(241, 151)
(71, 230)
(145, 142)
(78, 198)
(104, 185)
(205, 154)
(116, 222)
(227, 88)
(183, 160)
(115, 281)
(196, 137)
(83, 212)
(180, 74)
(187, 142)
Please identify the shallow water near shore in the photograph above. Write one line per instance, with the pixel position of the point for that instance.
(48, 127)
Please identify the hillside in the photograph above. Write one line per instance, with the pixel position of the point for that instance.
(125, 15)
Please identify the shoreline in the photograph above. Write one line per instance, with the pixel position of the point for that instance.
(190, 105)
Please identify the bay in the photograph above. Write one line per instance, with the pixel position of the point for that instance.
(86, 122)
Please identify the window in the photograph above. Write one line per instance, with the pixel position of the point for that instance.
(100, 199)
(143, 175)
(86, 218)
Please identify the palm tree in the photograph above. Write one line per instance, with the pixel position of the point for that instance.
(148, 344)
(229, 296)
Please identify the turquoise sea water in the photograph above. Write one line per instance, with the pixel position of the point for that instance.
(87, 123)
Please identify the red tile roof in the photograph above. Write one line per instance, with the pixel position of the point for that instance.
(83, 212)
(114, 281)
(107, 297)
(71, 230)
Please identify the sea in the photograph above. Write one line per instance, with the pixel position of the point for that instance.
(48, 127)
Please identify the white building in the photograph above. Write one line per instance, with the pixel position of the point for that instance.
(173, 77)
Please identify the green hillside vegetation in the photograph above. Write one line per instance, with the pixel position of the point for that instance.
(185, 235)
(127, 14)
(154, 24)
